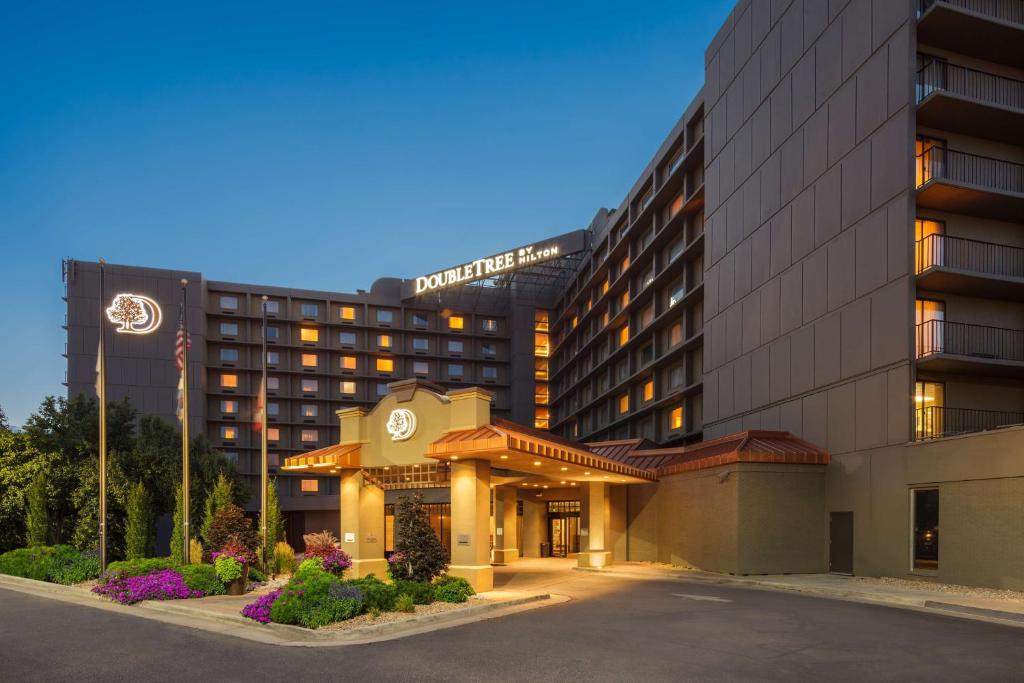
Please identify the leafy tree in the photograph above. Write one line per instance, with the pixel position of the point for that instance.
(37, 520)
(424, 556)
(231, 524)
(4, 426)
(220, 497)
(139, 532)
(19, 462)
(178, 528)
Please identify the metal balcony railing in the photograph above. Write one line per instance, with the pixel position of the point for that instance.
(939, 75)
(938, 163)
(969, 255)
(964, 339)
(934, 422)
(1005, 10)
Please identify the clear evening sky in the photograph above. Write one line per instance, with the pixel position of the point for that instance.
(314, 145)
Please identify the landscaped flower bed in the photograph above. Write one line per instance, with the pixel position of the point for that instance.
(165, 584)
(55, 564)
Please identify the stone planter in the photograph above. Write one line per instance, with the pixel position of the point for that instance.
(237, 587)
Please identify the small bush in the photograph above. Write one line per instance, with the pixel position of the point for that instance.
(161, 585)
(420, 592)
(452, 589)
(307, 601)
(141, 566)
(342, 591)
(311, 565)
(336, 562)
(228, 568)
(405, 603)
(377, 595)
(57, 564)
(284, 559)
(202, 577)
(256, 575)
(319, 544)
(231, 525)
(195, 551)
(77, 569)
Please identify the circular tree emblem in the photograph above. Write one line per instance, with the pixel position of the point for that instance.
(401, 424)
(136, 314)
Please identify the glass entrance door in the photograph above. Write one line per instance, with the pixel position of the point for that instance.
(564, 527)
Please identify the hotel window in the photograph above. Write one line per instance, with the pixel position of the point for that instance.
(309, 310)
(604, 286)
(676, 376)
(456, 322)
(309, 360)
(310, 436)
(575, 321)
(624, 299)
(272, 332)
(929, 402)
(624, 265)
(541, 394)
(309, 410)
(348, 387)
(273, 460)
(454, 370)
(347, 312)
(229, 302)
(273, 383)
(382, 389)
(273, 409)
(420, 367)
(929, 316)
(229, 355)
(675, 418)
(228, 432)
(676, 249)
(385, 365)
(930, 154)
(489, 325)
(229, 329)
(541, 418)
(488, 349)
(273, 434)
(676, 206)
(623, 404)
(273, 307)
(604, 318)
(229, 381)
(419, 320)
(273, 357)
(541, 345)
(229, 407)
(347, 338)
(649, 390)
(647, 278)
(384, 341)
(925, 504)
(309, 334)
(675, 333)
(310, 386)
(489, 372)
(676, 294)
(647, 316)
(309, 486)
(348, 362)
(540, 368)
(929, 243)
(454, 346)
(231, 456)
(385, 317)
(420, 344)
(623, 335)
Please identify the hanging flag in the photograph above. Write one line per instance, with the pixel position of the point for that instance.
(182, 341)
(257, 415)
(99, 350)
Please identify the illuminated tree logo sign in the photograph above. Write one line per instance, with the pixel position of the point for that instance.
(135, 313)
(401, 424)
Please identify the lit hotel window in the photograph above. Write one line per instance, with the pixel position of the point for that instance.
(309, 436)
(309, 310)
(648, 277)
(649, 390)
(273, 307)
(541, 394)
(623, 335)
(385, 365)
(623, 404)
(229, 433)
(229, 355)
(229, 381)
(384, 341)
(540, 368)
(624, 299)
(309, 334)
(455, 322)
(489, 325)
(309, 410)
(624, 266)
(604, 287)
(348, 313)
(454, 346)
(348, 388)
(273, 357)
(229, 407)
(347, 338)
(348, 362)
(575, 321)
(420, 367)
(229, 329)
(385, 317)
(604, 318)
(229, 302)
(273, 383)
(541, 418)
(273, 434)
(310, 486)
(647, 316)
(675, 418)
(310, 386)
(309, 360)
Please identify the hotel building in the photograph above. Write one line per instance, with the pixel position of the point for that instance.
(799, 338)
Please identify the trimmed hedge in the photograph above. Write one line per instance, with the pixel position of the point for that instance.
(141, 566)
(377, 595)
(452, 589)
(421, 593)
(202, 577)
(56, 564)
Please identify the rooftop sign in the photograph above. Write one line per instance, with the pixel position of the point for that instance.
(515, 259)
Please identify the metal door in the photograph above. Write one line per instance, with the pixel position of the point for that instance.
(840, 546)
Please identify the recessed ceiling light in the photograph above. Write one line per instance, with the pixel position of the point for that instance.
(545, 485)
(587, 473)
(565, 469)
(504, 457)
(454, 457)
(536, 463)
(561, 482)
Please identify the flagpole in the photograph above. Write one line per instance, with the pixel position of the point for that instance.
(263, 437)
(185, 504)
(102, 398)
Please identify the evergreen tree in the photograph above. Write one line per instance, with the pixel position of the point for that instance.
(37, 520)
(178, 528)
(222, 495)
(414, 537)
(3, 421)
(139, 532)
(275, 522)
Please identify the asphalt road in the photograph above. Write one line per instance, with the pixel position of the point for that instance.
(613, 630)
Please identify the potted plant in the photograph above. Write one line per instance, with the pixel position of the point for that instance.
(232, 566)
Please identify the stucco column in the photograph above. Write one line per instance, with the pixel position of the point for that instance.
(471, 552)
(506, 539)
(595, 526)
(362, 525)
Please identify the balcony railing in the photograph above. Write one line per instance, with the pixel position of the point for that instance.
(964, 339)
(934, 422)
(1005, 10)
(974, 256)
(938, 163)
(939, 75)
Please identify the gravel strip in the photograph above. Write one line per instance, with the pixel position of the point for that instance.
(948, 588)
(386, 617)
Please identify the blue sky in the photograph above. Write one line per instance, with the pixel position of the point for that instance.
(190, 135)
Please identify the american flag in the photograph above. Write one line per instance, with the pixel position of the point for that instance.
(182, 341)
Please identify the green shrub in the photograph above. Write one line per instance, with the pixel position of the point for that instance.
(308, 601)
(231, 525)
(228, 568)
(58, 564)
(419, 553)
(405, 603)
(139, 531)
(377, 595)
(178, 528)
(256, 575)
(311, 565)
(28, 563)
(82, 566)
(452, 589)
(284, 559)
(37, 520)
(201, 577)
(421, 593)
(143, 565)
(195, 551)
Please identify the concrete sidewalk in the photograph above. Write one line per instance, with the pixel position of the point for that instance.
(952, 600)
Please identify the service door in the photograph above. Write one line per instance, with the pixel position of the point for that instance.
(840, 546)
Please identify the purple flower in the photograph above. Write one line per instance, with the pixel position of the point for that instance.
(337, 561)
(260, 610)
(162, 585)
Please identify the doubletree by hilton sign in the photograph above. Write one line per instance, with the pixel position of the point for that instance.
(483, 268)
